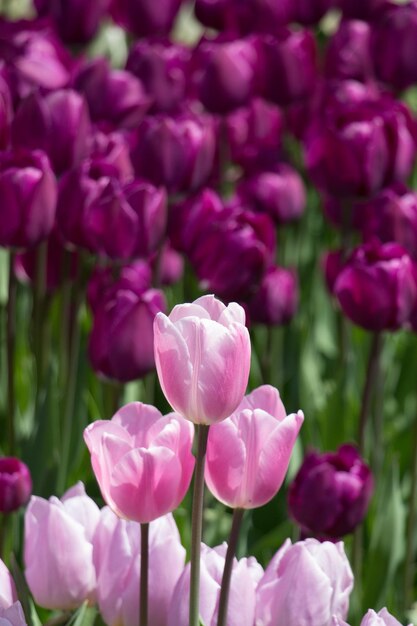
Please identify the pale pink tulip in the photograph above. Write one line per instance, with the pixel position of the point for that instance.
(383, 618)
(7, 588)
(142, 460)
(13, 616)
(305, 584)
(242, 598)
(248, 454)
(202, 354)
(117, 561)
(58, 550)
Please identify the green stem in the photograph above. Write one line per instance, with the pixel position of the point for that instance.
(38, 309)
(228, 567)
(144, 572)
(202, 432)
(11, 341)
(409, 559)
(371, 376)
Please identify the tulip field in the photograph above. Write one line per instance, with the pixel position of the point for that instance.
(208, 312)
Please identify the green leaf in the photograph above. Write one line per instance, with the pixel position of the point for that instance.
(84, 616)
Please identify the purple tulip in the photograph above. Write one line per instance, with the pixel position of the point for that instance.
(343, 213)
(102, 282)
(332, 265)
(276, 301)
(375, 288)
(305, 584)
(112, 151)
(15, 484)
(290, 66)
(58, 123)
(226, 73)
(361, 9)
(268, 16)
(162, 67)
(13, 615)
(176, 152)
(279, 193)
(310, 12)
(5, 113)
(76, 21)
(145, 18)
(233, 16)
(394, 45)
(113, 96)
(29, 193)
(121, 341)
(171, 266)
(348, 54)
(254, 134)
(330, 495)
(189, 218)
(413, 314)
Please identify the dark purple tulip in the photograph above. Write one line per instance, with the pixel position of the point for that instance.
(121, 341)
(361, 9)
(145, 18)
(413, 315)
(268, 16)
(28, 192)
(254, 134)
(375, 288)
(112, 150)
(348, 53)
(226, 74)
(61, 264)
(162, 68)
(290, 66)
(113, 96)
(101, 284)
(126, 221)
(330, 495)
(392, 216)
(394, 45)
(176, 152)
(332, 265)
(187, 219)
(359, 147)
(280, 193)
(6, 113)
(276, 301)
(344, 214)
(310, 12)
(58, 123)
(15, 484)
(76, 21)
(171, 266)
(233, 16)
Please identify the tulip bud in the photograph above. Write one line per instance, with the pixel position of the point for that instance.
(276, 301)
(146, 471)
(361, 9)
(29, 192)
(7, 588)
(76, 21)
(304, 584)
(383, 618)
(61, 578)
(348, 53)
(144, 18)
(242, 596)
(330, 495)
(205, 331)
(117, 561)
(13, 615)
(15, 484)
(375, 288)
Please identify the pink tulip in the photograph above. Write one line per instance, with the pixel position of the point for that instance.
(58, 550)
(142, 460)
(13, 616)
(248, 454)
(242, 599)
(305, 584)
(7, 588)
(202, 354)
(383, 618)
(117, 561)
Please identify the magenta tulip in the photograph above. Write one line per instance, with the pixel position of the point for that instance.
(76, 21)
(13, 615)
(15, 484)
(117, 560)
(145, 18)
(202, 354)
(142, 461)
(248, 454)
(305, 584)
(58, 550)
(245, 576)
(276, 301)
(7, 588)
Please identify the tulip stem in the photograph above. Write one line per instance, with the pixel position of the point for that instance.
(11, 340)
(202, 432)
(144, 572)
(409, 559)
(371, 376)
(228, 566)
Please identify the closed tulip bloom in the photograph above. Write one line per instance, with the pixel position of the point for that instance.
(102, 282)
(276, 300)
(332, 264)
(242, 596)
(375, 289)
(28, 190)
(15, 484)
(382, 618)
(144, 18)
(231, 16)
(305, 584)
(330, 495)
(76, 21)
(310, 12)
(142, 461)
(413, 315)
(248, 454)
(209, 344)
(348, 54)
(13, 615)
(58, 549)
(117, 562)
(361, 9)
(58, 123)
(5, 113)
(7, 588)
